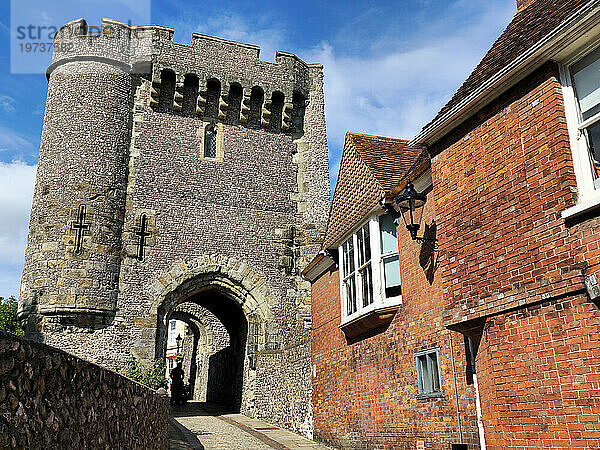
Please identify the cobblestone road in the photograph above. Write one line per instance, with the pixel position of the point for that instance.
(213, 433)
(200, 426)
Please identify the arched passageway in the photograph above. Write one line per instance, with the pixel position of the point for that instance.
(215, 368)
(240, 299)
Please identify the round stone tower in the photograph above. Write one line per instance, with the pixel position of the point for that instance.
(72, 262)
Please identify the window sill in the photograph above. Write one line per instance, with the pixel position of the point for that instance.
(582, 208)
(428, 396)
(370, 320)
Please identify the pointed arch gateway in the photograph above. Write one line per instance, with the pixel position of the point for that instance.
(240, 298)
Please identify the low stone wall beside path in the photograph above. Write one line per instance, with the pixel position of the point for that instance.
(50, 399)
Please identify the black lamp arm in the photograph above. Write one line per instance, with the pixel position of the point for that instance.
(388, 208)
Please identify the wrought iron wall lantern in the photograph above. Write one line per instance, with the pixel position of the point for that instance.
(409, 205)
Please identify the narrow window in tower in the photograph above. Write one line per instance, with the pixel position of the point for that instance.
(256, 102)
(276, 111)
(210, 142)
(167, 90)
(298, 111)
(143, 234)
(81, 229)
(213, 94)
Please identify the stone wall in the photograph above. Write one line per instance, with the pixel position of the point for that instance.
(212, 338)
(50, 399)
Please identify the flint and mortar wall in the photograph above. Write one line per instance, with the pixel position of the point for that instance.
(50, 399)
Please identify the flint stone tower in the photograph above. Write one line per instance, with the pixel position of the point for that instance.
(172, 174)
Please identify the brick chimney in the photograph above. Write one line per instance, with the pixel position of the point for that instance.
(522, 4)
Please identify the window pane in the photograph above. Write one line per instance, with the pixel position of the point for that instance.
(350, 295)
(389, 240)
(210, 143)
(586, 78)
(593, 134)
(391, 271)
(350, 256)
(367, 285)
(367, 242)
(348, 249)
(435, 375)
(361, 247)
(345, 255)
(425, 374)
(364, 248)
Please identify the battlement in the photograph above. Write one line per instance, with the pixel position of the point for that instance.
(212, 78)
(208, 57)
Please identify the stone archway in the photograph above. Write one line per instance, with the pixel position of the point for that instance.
(209, 337)
(238, 296)
(199, 341)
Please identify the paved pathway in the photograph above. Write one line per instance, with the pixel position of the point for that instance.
(203, 426)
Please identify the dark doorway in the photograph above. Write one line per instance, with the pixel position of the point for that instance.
(225, 377)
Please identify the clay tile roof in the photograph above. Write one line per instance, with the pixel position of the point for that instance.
(528, 27)
(371, 167)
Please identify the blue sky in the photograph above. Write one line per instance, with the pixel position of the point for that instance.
(389, 67)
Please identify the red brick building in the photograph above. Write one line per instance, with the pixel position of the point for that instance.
(386, 372)
(514, 205)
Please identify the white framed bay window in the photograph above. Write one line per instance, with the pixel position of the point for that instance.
(370, 270)
(580, 77)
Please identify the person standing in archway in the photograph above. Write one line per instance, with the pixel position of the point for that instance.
(177, 375)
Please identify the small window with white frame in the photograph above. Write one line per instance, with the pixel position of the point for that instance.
(428, 373)
(171, 333)
(581, 88)
(370, 270)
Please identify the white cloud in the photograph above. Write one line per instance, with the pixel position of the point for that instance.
(16, 192)
(7, 103)
(13, 141)
(400, 84)
(396, 92)
(234, 27)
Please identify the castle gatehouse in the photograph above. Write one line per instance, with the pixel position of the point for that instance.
(173, 175)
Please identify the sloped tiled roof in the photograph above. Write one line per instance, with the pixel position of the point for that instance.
(371, 167)
(528, 27)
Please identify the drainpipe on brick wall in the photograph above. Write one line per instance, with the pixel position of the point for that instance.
(455, 388)
(479, 418)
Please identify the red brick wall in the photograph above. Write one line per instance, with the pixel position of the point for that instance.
(500, 185)
(365, 393)
(539, 377)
